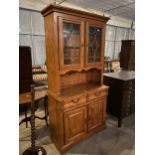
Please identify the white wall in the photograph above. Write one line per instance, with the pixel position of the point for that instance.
(31, 33)
(114, 35)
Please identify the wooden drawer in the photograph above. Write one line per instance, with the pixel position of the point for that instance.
(96, 94)
(74, 101)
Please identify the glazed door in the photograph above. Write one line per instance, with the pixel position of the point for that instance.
(75, 124)
(71, 43)
(96, 114)
(94, 43)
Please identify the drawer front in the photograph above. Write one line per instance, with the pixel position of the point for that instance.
(96, 94)
(74, 101)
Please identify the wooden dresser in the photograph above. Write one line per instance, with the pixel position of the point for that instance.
(75, 43)
(121, 98)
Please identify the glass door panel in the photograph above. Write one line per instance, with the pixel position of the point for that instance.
(71, 41)
(94, 43)
(71, 33)
(94, 50)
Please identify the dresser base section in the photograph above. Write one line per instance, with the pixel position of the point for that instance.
(66, 147)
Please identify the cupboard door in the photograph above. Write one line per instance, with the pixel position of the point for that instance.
(75, 124)
(96, 112)
(94, 43)
(71, 43)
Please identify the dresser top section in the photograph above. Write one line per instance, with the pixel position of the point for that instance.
(55, 8)
(121, 75)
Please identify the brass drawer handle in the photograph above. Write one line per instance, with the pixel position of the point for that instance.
(76, 100)
(97, 93)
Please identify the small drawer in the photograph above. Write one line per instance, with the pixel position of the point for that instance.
(74, 101)
(96, 94)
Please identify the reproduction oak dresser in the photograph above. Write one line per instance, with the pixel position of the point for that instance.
(75, 43)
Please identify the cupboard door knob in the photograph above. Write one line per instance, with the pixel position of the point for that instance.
(75, 100)
(97, 93)
(87, 119)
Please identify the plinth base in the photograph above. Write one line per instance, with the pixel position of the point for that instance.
(38, 151)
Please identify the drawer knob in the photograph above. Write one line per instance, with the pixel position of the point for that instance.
(76, 100)
(97, 93)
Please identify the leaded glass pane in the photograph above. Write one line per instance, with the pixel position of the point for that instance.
(71, 34)
(94, 50)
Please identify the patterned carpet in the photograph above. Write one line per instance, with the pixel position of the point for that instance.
(111, 141)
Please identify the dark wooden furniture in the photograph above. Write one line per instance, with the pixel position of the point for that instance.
(25, 69)
(75, 52)
(121, 98)
(25, 76)
(127, 55)
(25, 81)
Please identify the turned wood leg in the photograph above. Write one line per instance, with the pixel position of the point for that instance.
(119, 122)
(25, 110)
(46, 109)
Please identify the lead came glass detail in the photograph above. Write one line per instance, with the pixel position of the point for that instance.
(71, 34)
(94, 52)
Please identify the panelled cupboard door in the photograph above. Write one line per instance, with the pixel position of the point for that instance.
(94, 43)
(71, 42)
(75, 124)
(96, 114)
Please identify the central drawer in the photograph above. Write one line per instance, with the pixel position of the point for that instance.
(74, 101)
(96, 94)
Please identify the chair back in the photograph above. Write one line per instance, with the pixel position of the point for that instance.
(25, 69)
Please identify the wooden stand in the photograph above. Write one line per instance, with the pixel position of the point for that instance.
(33, 150)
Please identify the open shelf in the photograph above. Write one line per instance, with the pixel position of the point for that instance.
(76, 78)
